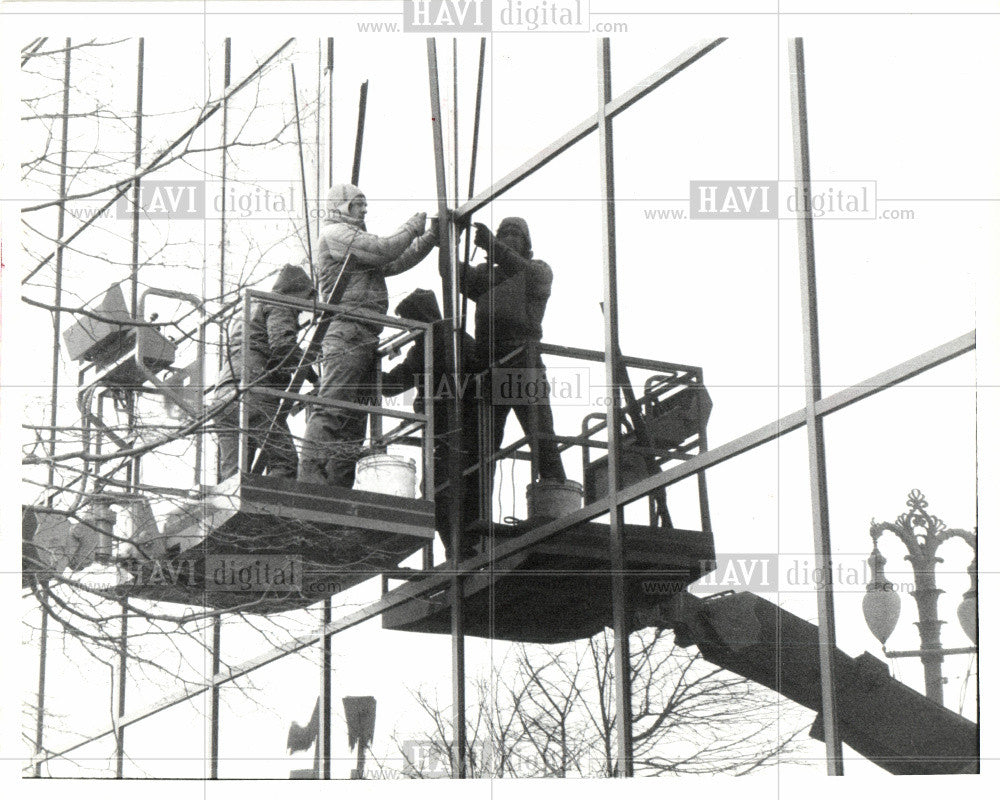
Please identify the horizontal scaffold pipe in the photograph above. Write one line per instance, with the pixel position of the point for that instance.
(588, 126)
(441, 577)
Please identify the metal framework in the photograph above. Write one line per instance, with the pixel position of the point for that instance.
(814, 424)
(451, 221)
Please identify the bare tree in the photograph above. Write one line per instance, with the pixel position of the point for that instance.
(79, 116)
(553, 716)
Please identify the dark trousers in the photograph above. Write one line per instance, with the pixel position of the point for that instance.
(278, 456)
(334, 436)
(520, 384)
(468, 457)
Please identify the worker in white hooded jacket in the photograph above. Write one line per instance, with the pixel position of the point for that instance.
(334, 436)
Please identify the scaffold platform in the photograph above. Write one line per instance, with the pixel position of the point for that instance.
(265, 545)
(560, 590)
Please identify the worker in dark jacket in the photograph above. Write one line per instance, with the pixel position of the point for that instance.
(511, 290)
(422, 305)
(334, 436)
(272, 352)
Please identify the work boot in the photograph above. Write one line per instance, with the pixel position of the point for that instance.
(468, 549)
(340, 472)
(311, 472)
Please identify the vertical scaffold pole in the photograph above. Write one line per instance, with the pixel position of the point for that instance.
(448, 267)
(54, 397)
(60, 230)
(329, 115)
(213, 730)
(216, 654)
(326, 647)
(137, 183)
(122, 667)
(325, 701)
(222, 214)
(43, 634)
(622, 661)
(360, 136)
(454, 120)
(814, 423)
(319, 136)
(134, 476)
(706, 518)
(473, 158)
(305, 183)
(245, 459)
(430, 476)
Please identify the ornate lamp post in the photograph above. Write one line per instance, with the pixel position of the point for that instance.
(922, 534)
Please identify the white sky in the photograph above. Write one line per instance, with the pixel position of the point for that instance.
(902, 101)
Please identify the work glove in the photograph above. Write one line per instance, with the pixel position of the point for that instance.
(312, 377)
(416, 223)
(484, 238)
(434, 228)
(299, 405)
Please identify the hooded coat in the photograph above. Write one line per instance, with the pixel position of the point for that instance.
(272, 343)
(510, 295)
(334, 436)
(271, 349)
(373, 258)
(511, 291)
(422, 305)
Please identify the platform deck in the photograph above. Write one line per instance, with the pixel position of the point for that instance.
(560, 591)
(264, 545)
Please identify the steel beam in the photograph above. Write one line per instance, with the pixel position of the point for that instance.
(619, 612)
(213, 731)
(57, 299)
(329, 118)
(43, 642)
(319, 141)
(133, 474)
(814, 423)
(226, 77)
(326, 690)
(137, 184)
(245, 461)
(54, 396)
(302, 171)
(588, 126)
(122, 677)
(437, 580)
(448, 266)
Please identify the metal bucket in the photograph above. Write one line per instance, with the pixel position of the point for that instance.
(387, 474)
(553, 499)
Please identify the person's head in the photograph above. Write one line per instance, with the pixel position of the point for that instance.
(513, 232)
(293, 280)
(346, 200)
(421, 305)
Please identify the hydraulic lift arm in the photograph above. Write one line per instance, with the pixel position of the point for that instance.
(882, 719)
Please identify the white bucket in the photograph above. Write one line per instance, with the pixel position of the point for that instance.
(553, 499)
(386, 474)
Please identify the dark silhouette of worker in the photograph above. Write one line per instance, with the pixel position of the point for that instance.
(334, 436)
(272, 352)
(511, 289)
(422, 306)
